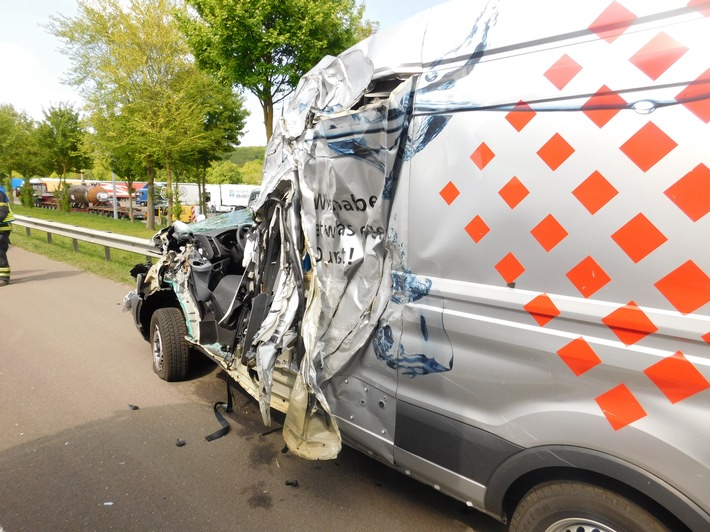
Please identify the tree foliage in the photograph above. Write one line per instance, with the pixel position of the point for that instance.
(244, 154)
(9, 139)
(61, 135)
(223, 172)
(20, 148)
(265, 46)
(252, 172)
(145, 96)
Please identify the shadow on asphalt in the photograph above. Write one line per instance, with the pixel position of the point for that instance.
(21, 276)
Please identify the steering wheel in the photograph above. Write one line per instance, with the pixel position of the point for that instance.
(243, 232)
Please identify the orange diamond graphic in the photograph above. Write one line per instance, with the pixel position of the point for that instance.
(555, 151)
(588, 277)
(648, 146)
(706, 337)
(603, 106)
(696, 3)
(696, 97)
(563, 71)
(677, 378)
(658, 55)
(513, 192)
(620, 407)
(482, 156)
(687, 287)
(477, 229)
(520, 116)
(510, 268)
(549, 232)
(612, 22)
(638, 238)
(449, 193)
(595, 192)
(579, 356)
(629, 323)
(692, 193)
(542, 309)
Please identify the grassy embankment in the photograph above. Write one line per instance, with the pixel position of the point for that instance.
(90, 257)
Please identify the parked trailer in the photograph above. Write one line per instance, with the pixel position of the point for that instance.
(92, 199)
(187, 193)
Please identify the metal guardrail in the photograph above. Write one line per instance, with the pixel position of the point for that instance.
(108, 240)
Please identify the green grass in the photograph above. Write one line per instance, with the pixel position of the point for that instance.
(90, 257)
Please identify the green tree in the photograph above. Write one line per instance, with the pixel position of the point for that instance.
(251, 172)
(19, 148)
(60, 136)
(8, 140)
(243, 154)
(265, 46)
(224, 172)
(32, 161)
(225, 117)
(144, 93)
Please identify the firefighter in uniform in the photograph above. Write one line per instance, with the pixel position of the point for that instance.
(6, 219)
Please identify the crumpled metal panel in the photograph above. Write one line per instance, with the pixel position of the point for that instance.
(330, 175)
(333, 184)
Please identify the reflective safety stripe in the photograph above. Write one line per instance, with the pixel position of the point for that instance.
(10, 215)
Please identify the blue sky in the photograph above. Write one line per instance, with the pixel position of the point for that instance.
(32, 66)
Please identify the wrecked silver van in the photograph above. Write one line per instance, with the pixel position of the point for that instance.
(478, 256)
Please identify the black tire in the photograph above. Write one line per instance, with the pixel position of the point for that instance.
(171, 352)
(579, 507)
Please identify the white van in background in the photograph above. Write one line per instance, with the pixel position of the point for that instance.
(227, 197)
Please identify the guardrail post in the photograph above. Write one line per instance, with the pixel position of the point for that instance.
(107, 253)
(76, 245)
(49, 238)
(27, 230)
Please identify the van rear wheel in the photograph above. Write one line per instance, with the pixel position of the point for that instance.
(171, 352)
(565, 506)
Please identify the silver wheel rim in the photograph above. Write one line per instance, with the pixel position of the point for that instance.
(157, 349)
(578, 524)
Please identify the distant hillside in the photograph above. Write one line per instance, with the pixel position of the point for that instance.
(244, 154)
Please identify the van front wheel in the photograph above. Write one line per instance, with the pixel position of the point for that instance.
(564, 506)
(171, 352)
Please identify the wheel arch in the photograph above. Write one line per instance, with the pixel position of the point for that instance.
(160, 299)
(514, 477)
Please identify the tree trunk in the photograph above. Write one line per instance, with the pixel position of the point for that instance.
(267, 106)
(150, 171)
(169, 187)
(131, 192)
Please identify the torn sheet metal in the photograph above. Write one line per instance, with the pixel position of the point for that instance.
(330, 175)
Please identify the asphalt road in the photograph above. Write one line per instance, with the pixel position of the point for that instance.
(74, 456)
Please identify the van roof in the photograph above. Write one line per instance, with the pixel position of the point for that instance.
(444, 33)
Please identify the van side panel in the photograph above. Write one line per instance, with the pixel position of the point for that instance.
(561, 230)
